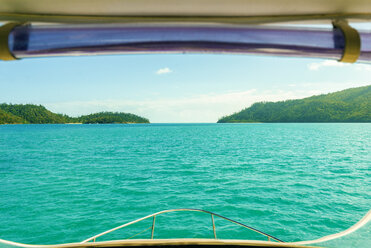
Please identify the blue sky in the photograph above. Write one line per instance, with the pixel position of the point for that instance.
(171, 88)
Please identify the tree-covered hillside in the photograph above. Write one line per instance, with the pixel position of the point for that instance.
(37, 114)
(8, 118)
(34, 114)
(111, 117)
(351, 105)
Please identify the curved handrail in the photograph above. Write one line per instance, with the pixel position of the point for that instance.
(178, 210)
(7, 242)
(359, 224)
(351, 229)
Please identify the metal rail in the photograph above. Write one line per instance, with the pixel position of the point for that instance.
(93, 238)
(366, 219)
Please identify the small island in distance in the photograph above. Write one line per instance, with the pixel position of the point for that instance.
(37, 114)
(350, 105)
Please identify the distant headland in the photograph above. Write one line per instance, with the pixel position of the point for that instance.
(350, 105)
(38, 114)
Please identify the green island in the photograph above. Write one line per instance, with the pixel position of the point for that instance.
(350, 105)
(38, 114)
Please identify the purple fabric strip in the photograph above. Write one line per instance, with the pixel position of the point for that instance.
(34, 41)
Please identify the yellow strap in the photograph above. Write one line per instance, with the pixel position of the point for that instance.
(352, 46)
(5, 30)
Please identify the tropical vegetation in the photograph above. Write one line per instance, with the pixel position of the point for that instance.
(111, 117)
(350, 105)
(38, 114)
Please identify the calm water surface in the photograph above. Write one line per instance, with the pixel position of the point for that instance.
(65, 183)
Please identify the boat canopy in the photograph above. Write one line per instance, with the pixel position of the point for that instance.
(241, 11)
(42, 28)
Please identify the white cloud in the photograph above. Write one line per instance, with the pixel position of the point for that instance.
(165, 70)
(334, 63)
(325, 63)
(363, 67)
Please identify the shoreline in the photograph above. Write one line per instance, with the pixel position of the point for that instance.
(186, 123)
(78, 123)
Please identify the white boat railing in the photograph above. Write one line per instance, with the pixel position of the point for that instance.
(358, 225)
(145, 242)
(93, 238)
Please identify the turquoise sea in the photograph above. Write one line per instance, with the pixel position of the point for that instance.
(65, 183)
